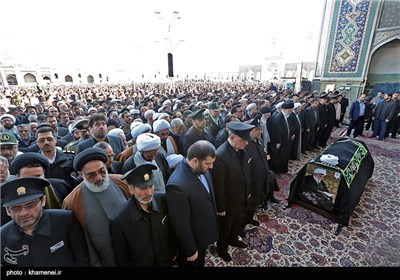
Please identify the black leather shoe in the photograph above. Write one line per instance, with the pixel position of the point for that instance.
(225, 256)
(253, 222)
(274, 200)
(238, 243)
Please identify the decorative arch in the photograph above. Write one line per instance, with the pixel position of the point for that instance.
(384, 68)
(29, 78)
(46, 79)
(90, 79)
(12, 80)
(384, 42)
(68, 79)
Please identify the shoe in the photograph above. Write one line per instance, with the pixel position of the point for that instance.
(238, 243)
(253, 222)
(224, 255)
(274, 200)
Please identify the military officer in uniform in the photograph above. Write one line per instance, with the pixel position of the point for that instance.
(231, 176)
(141, 233)
(38, 237)
(83, 127)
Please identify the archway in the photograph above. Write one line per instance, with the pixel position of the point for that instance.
(90, 79)
(68, 79)
(29, 78)
(384, 69)
(12, 80)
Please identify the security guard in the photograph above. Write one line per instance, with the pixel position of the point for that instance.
(83, 127)
(38, 237)
(141, 233)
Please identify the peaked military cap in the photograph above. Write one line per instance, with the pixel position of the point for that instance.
(254, 121)
(214, 106)
(197, 115)
(141, 176)
(8, 138)
(82, 125)
(241, 129)
(22, 189)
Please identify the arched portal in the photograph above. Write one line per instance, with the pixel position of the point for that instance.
(29, 78)
(384, 70)
(12, 80)
(68, 79)
(90, 79)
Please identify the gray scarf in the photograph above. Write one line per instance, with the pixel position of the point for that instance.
(99, 209)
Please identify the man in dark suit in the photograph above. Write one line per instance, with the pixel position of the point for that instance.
(98, 131)
(191, 204)
(37, 237)
(232, 180)
(140, 232)
(357, 116)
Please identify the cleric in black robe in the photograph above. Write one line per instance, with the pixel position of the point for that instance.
(280, 139)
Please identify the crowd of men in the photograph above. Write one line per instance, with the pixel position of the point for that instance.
(152, 174)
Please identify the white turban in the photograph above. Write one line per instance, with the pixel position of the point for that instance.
(159, 125)
(115, 132)
(147, 142)
(8, 116)
(134, 112)
(166, 102)
(148, 112)
(279, 105)
(135, 124)
(163, 116)
(155, 116)
(174, 159)
(250, 106)
(141, 128)
(297, 105)
(319, 171)
(92, 109)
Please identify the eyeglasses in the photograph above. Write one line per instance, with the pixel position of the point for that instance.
(111, 156)
(28, 206)
(48, 139)
(92, 175)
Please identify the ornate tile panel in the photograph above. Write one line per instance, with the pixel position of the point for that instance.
(351, 30)
(390, 14)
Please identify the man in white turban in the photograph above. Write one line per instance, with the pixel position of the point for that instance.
(147, 145)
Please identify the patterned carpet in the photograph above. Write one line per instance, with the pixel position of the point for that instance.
(299, 237)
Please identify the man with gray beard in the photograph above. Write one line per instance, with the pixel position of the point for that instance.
(95, 202)
(280, 139)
